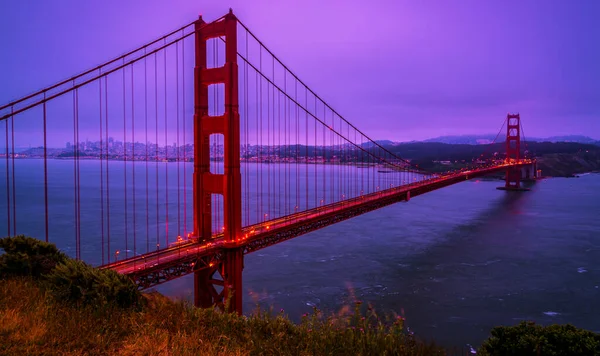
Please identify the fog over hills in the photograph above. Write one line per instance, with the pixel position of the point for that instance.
(488, 138)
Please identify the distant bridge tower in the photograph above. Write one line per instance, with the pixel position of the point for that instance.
(206, 183)
(513, 149)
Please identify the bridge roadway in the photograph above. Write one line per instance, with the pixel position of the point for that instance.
(192, 254)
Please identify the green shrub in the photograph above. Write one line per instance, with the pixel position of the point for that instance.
(81, 284)
(527, 338)
(26, 256)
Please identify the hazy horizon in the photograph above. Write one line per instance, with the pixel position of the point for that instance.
(160, 144)
(398, 71)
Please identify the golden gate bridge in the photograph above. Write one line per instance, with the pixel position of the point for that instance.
(271, 160)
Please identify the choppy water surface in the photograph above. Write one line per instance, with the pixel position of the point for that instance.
(457, 261)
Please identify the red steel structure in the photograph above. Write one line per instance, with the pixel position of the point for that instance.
(288, 163)
(513, 149)
(228, 184)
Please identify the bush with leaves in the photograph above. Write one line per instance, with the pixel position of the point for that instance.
(79, 283)
(26, 256)
(527, 338)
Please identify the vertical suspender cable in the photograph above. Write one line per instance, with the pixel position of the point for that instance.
(246, 122)
(315, 163)
(133, 163)
(75, 149)
(279, 179)
(306, 146)
(268, 149)
(258, 209)
(297, 143)
(260, 118)
(101, 168)
(146, 144)
(125, 162)
(45, 171)
(177, 139)
(107, 175)
(156, 147)
(78, 179)
(324, 173)
(166, 158)
(14, 188)
(7, 180)
(184, 133)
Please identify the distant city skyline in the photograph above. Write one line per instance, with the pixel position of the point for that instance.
(69, 144)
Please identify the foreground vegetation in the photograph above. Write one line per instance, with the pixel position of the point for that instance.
(50, 304)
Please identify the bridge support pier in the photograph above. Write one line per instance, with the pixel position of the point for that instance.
(221, 285)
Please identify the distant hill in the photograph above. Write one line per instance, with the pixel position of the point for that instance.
(488, 138)
(465, 139)
(428, 151)
(556, 158)
(569, 138)
(380, 142)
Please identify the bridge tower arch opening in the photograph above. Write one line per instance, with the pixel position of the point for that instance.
(209, 289)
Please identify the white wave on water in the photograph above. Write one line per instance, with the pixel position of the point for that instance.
(581, 270)
(551, 313)
(471, 349)
(486, 263)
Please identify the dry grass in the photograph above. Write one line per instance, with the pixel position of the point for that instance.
(32, 323)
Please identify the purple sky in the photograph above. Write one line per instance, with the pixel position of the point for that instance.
(399, 70)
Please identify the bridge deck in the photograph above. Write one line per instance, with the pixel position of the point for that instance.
(165, 264)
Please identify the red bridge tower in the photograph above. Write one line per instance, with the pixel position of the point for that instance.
(206, 183)
(513, 149)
